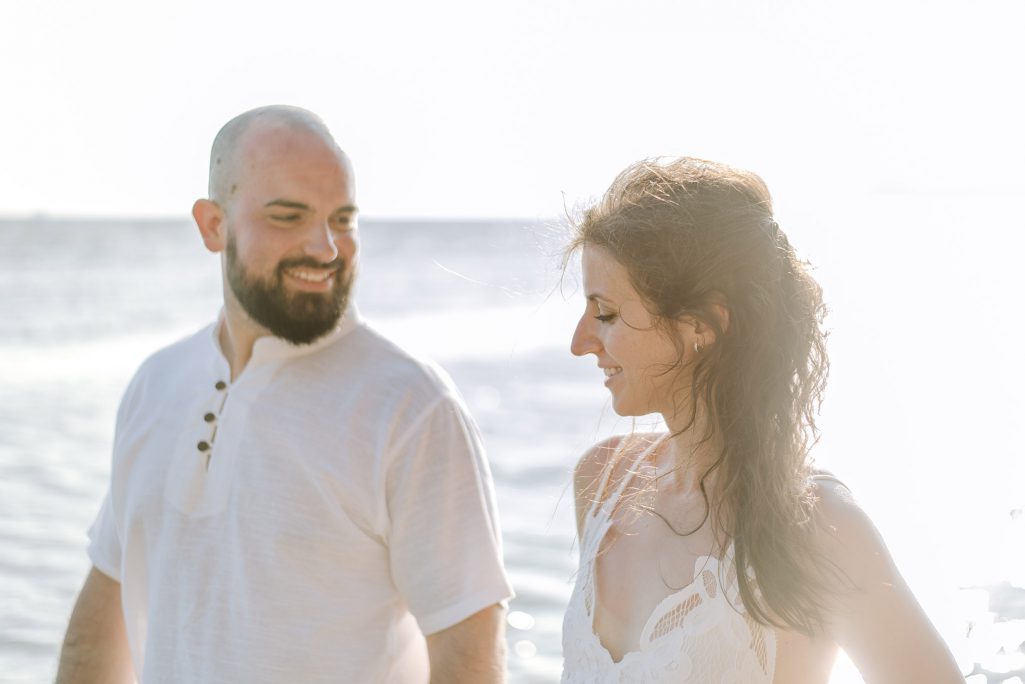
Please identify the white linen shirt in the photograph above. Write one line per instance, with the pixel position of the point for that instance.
(308, 522)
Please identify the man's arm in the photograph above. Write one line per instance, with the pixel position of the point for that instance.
(96, 645)
(471, 651)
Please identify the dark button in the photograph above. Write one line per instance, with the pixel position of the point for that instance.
(209, 417)
(203, 446)
(220, 385)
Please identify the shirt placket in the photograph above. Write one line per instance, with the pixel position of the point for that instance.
(210, 420)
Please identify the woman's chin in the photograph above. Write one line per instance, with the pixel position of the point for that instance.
(624, 409)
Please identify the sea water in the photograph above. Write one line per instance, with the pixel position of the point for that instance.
(84, 302)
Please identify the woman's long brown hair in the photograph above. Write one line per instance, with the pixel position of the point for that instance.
(694, 235)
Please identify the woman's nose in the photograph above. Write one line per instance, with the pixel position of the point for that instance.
(584, 340)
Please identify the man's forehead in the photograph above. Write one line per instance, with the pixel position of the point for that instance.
(274, 139)
(297, 162)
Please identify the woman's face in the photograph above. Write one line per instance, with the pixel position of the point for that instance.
(641, 364)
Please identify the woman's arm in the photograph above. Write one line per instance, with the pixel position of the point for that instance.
(876, 618)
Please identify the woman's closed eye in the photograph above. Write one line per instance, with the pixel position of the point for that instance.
(606, 318)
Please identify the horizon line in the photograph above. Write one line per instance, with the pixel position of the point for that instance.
(42, 216)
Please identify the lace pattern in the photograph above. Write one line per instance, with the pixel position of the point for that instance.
(698, 634)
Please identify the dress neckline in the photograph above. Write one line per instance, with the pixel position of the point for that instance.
(701, 564)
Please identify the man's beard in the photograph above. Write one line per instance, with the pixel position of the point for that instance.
(299, 317)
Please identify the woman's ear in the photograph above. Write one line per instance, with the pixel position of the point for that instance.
(209, 219)
(698, 333)
(721, 311)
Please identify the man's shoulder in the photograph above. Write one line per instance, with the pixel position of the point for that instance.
(166, 370)
(192, 348)
(385, 361)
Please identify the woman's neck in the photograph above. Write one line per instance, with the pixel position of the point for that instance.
(688, 453)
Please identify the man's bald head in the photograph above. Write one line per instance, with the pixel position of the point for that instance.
(229, 144)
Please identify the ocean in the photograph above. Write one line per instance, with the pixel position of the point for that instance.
(85, 301)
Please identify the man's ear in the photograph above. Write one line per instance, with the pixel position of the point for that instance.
(209, 219)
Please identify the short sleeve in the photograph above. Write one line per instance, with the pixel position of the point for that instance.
(104, 547)
(104, 544)
(443, 533)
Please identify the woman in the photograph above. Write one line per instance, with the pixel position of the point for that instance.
(715, 553)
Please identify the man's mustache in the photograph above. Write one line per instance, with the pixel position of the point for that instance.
(309, 262)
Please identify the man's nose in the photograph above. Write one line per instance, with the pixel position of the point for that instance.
(584, 340)
(320, 244)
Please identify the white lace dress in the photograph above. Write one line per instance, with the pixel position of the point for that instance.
(697, 635)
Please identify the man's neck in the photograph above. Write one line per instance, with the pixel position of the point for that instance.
(237, 336)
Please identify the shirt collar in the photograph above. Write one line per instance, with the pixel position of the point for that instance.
(272, 348)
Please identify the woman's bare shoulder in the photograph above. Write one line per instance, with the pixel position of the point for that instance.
(845, 532)
(615, 453)
(593, 462)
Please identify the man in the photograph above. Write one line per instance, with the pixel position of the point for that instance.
(293, 498)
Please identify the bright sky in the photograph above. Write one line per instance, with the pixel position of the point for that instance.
(475, 108)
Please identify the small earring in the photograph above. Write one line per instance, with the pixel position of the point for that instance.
(697, 348)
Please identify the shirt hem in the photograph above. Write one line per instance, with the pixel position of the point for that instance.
(108, 569)
(454, 614)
